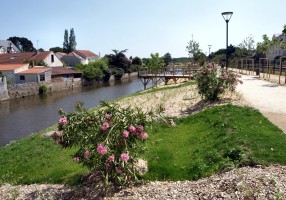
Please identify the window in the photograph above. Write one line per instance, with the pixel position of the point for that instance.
(42, 77)
(22, 77)
(52, 58)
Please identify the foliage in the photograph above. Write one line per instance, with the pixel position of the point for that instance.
(155, 62)
(167, 59)
(108, 140)
(22, 43)
(117, 73)
(43, 89)
(95, 71)
(56, 49)
(119, 60)
(212, 82)
(72, 41)
(66, 42)
(69, 44)
(194, 50)
(136, 61)
(213, 141)
(284, 29)
(246, 47)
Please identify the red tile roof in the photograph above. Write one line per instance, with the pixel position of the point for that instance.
(11, 66)
(35, 70)
(85, 53)
(17, 58)
(63, 70)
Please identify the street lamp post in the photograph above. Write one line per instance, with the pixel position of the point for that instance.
(226, 16)
(209, 51)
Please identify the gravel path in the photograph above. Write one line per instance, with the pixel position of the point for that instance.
(269, 98)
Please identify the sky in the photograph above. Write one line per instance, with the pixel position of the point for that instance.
(141, 26)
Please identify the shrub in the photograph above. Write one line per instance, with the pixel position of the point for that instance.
(43, 89)
(107, 74)
(118, 73)
(109, 140)
(213, 82)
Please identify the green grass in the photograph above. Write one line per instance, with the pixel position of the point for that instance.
(208, 142)
(214, 140)
(37, 159)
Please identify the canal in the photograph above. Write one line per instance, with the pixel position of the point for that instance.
(22, 117)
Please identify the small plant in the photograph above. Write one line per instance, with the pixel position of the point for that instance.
(42, 89)
(108, 140)
(212, 82)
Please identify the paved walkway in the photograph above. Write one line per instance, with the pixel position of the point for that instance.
(269, 98)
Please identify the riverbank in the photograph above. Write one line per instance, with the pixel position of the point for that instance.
(260, 182)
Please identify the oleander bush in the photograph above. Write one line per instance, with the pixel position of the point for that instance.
(213, 82)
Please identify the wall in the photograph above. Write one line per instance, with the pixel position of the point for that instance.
(3, 89)
(27, 89)
(56, 63)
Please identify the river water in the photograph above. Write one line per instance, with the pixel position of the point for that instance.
(22, 117)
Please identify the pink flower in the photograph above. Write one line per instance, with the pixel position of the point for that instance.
(105, 126)
(143, 135)
(172, 123)
(132, 129)
(140, 128)
(125, 134)
(101, 149)
(108, 116)
(111, 157)
(75, 159)
(86, 154)
(118, 170)
(124, 157)
(59, 133)
(107, 164)
(63, 120)
(220, 88)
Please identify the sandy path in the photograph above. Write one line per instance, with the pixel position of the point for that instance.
(268, 98)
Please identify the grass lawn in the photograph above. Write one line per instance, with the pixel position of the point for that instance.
(208, 142)
(214, 140)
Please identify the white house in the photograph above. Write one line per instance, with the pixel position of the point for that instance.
(276, 51)
(6, 46)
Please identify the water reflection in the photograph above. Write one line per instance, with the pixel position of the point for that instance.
(21, 117)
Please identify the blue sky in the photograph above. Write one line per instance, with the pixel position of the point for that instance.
(141, 26)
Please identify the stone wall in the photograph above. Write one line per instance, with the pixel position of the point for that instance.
(27, 89)
(3, 89)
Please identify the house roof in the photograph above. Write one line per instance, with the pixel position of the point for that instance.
(11, 66)
(85, 53)
(63, 70)
(8, 43)
(17, 58)
(35, 70)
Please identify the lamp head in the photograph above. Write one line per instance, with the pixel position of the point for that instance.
(227, 16)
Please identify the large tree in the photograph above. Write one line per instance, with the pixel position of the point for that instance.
(119, 60)
(167, 58)
(155, 62)
(72, 41)
(66, 42)
(194, 50)
(22, 43)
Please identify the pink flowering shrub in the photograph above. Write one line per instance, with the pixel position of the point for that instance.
(109, 140)
(212, 82)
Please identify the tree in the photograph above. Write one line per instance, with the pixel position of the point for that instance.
(136, 61)
(246, 47)
(119, 60)
(56, 49)
(22, 43)
(194, 50)
(284, 30)
(66, 42)
(167, 58)
(72, 41)
(155, 62)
